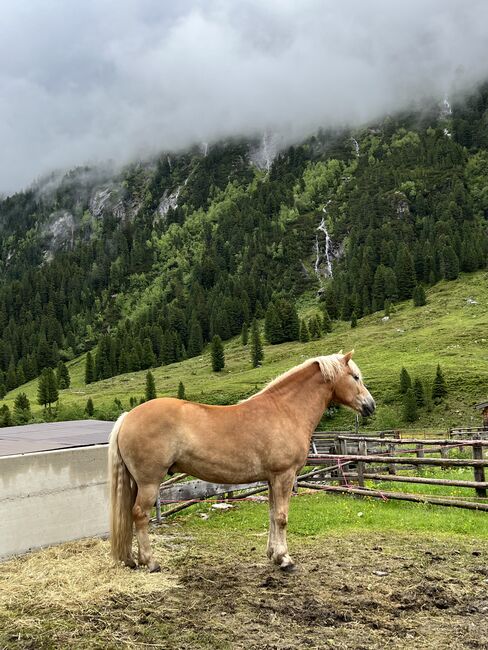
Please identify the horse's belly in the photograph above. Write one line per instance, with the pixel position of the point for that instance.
(221, 472)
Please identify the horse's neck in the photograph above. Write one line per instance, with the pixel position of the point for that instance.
(305, 394)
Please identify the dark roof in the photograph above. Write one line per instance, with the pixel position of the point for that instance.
(53, 435)
(481, 405)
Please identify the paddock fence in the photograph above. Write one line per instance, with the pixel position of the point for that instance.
(361, 465)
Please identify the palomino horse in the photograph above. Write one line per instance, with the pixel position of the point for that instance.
(263, 438)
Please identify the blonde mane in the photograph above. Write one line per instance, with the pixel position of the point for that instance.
(330, 366)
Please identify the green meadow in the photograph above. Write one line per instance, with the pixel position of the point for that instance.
(452, 330)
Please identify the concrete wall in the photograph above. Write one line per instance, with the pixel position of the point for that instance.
(53, 496)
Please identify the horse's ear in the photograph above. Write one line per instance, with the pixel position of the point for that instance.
(340, 351)
(348, 357)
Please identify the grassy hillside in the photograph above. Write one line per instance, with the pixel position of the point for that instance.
(449, 330)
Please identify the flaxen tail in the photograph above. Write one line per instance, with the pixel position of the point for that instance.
(122, 497)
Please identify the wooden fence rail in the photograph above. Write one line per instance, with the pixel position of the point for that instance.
(338, 456)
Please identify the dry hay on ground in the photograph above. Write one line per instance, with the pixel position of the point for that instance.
(352, 592)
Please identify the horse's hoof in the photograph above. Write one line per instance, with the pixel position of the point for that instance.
(155, 568)
(289, 568)
(131, 564)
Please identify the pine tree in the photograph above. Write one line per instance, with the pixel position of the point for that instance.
(450, 263)
(405, 381)
(273, 329)
(89, 369)
(148, 357)
(405, 273)
(244, 333)
(11, 380)
(354, 319)
(257, 354)
(181, 391)
(217, 353)
(3, 391)
(409, 406)
(439, 387)
(150, 387)
(326, 322)
(62, 375)
(418, 389)
(22, 409)
(195, 339)
(5, 416)
(89, 408)
(47, 389)
(290, 322)
(304, 333)
(419, 297)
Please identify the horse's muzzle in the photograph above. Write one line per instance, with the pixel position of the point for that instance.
(368, 407)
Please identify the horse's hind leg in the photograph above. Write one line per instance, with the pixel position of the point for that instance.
(280, 493)
(146, 496)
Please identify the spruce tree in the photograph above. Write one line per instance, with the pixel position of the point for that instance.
(52, 387)
(290, 322)
(405, 381)
(312, 328)
(405, 273)
(89, 369)
(304, 333)
(11, 376)
(273, 329)
(409, 406)
(439, 387)
(89, 408)
(181, 391)
(3, 391)
(257, 354)
(326, 322)
(354, 319)
(195, 339)
(47, 388)
(150, 387)
(419, 297)
(418, 389)
(217, 354)
(244, 333)
(5, 416)
(62, 375)
(22, 409)
(148, 357)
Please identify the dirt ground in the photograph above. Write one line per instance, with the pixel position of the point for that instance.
(354, 592)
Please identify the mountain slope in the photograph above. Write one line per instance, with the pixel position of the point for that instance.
(452, 329)
(148, 263)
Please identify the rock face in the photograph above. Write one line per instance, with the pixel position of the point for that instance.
(168, 201)
(401, 205)
(60, 230)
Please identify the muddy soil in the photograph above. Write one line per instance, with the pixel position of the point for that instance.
(351, 592)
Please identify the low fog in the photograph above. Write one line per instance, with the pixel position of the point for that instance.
(90, 81)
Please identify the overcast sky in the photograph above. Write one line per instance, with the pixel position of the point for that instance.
(90, 80)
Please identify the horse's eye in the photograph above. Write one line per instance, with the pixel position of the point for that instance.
(356, 377)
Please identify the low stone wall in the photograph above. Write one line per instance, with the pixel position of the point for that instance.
(51, 497)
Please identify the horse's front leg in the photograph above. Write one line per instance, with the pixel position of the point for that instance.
(281, 486)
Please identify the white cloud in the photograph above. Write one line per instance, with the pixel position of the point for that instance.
(87, 81)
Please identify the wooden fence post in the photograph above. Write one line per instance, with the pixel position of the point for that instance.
(479, 472)
(363, 451)
(444, 451)
(391, 450)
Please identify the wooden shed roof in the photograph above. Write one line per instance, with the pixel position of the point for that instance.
(481, 405)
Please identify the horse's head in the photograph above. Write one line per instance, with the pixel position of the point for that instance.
(349, 389)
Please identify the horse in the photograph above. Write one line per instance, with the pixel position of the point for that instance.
(265, 437)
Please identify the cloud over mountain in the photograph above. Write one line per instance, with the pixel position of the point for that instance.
(113, 79)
